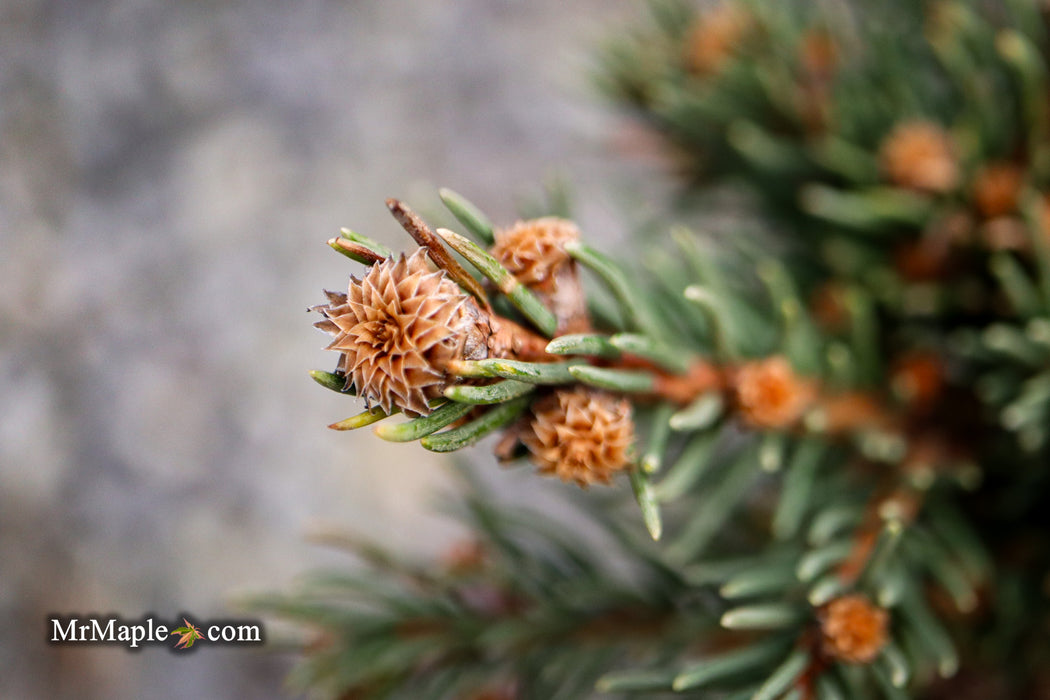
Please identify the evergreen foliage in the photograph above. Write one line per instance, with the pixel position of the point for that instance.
(838, 443)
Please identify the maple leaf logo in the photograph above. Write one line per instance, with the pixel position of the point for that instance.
(189, 635)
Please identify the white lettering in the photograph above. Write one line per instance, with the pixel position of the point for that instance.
(100, 633)
(69, 634)
(249, 633)
(115, 630)
(138, 633)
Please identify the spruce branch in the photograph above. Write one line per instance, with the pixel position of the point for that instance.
(840, 441)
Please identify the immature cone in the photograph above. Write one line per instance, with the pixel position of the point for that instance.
(829, 306)
(533, 251)
(923, 260)
(854, 630)
(920, 155)
(398, 328)
(465, 557)
(770, 395)
(715, 36)
(820, 54)
(580, 434)
(917, 378)
(996, 189)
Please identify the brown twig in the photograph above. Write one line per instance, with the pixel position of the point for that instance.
(426, 238)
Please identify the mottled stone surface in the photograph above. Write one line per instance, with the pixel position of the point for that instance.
(169, 171)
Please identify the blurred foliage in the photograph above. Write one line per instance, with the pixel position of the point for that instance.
(850, 415)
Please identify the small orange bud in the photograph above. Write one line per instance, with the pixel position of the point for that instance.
(819, 54)
(920, 155)
(854, 630)
(996, 189)
(923, 260)
(534, 250)
(828, 306)
(464, 556)
(918, 378)
(770, 395)
(714, 36)
(580, 434)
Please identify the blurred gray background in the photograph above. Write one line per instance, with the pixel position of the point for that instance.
(169, 172)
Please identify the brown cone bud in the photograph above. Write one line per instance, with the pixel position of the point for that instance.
(398, 328)
(580, 434)
(918, 378)
(854, 630)
(464, 557)
(819, 54)
(770, 395)
(996, 189)
(534, 250)
(829, 306)
(714, 36)
(920, 155)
